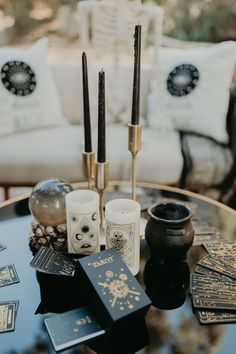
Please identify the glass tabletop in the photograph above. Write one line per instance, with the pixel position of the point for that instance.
(171, 323)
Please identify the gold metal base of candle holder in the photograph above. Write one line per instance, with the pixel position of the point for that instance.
(88, 167)
(101, 184)
(134, 146)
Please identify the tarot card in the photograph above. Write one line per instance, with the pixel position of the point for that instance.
(206, 238)
(206, 271)
(2, 247)
(206, 301)
(221, 249)
(7, 316)
(51, 262)
(213, 286)
(72, 327)
(8, 275)
(220, 265)
(202, 227)
(215, 316)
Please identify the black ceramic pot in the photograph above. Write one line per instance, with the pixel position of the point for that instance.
(169, 232)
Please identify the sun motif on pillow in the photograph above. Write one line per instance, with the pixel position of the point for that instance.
(18, 78)
(182, 80)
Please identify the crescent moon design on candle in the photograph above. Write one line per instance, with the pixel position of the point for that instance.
(84, 236)
(94, 216)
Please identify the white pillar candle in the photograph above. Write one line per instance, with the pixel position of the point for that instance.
(83, 221)
(123, 230)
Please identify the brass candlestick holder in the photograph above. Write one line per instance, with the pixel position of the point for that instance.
(101, 184)
(134, 146)
(88, 167)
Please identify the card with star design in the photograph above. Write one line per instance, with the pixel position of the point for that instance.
(72, 328)
(111, 290)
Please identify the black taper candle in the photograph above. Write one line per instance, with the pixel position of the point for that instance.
(136, 78)
(87, 125)
(101, 157)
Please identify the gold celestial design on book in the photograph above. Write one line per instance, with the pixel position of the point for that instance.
(120, 291)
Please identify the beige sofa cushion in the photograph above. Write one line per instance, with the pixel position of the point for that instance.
(67, 72)
(32, 156)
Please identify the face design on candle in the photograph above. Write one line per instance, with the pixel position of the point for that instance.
(121, 237)
(84, 236)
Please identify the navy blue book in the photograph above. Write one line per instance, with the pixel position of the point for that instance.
(72, 327)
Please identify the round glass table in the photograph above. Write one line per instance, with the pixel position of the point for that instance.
(171, 323)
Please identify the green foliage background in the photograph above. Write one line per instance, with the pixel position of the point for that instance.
(199, 20)
(195, 20)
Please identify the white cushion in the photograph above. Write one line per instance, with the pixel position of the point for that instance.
(56, 152)
(28, 96)
(190, 89)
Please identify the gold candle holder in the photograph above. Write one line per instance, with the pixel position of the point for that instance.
(134, 146)
(101, 183)
(88, 167)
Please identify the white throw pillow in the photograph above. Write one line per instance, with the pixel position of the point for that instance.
(190, 89)
(28, 96)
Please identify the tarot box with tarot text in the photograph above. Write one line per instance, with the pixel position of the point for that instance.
(112, 292)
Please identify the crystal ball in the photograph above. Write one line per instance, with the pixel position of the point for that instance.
(47, 201)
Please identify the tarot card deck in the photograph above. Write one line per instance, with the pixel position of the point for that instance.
(213, 284)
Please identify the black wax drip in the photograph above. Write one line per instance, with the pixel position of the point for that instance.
(136, 78)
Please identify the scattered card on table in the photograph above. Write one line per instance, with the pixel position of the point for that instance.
(204, 232)
(52, 262)
(204, 238)
(2, 247)
(213, 286)
(215, 316)
(202, 227)
(221, 249)
(7, 316)
(8, 275)
(206, 271)
(207, 301)
(223, 265)
(72, 327)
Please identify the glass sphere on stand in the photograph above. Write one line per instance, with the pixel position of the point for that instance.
(47, 201)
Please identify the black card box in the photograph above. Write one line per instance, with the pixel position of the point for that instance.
(111, 291)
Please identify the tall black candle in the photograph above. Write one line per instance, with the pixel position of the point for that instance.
(87, 125)
(136, 79)
(101, 157)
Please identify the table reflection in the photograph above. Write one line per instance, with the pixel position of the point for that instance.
(166, 284)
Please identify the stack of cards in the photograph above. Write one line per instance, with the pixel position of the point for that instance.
(52, 262)
(213, 284)
(8, 311)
